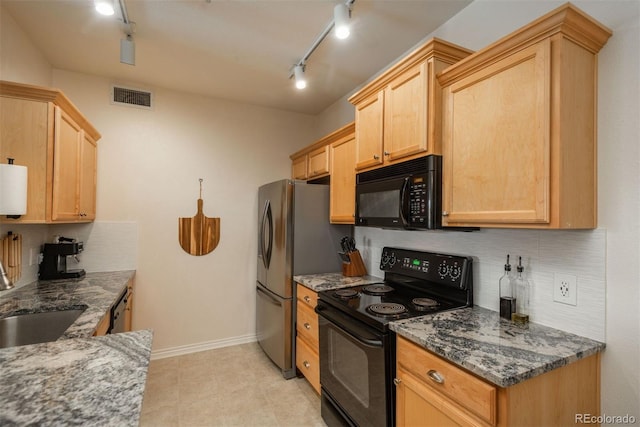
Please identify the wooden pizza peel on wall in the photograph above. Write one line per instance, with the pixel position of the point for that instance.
(199, 235)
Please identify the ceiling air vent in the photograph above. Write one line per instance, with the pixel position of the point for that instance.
(131, 97)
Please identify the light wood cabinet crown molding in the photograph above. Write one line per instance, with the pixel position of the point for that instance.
(567, 20)
(432, 48)
(44, 94)
(325, 140)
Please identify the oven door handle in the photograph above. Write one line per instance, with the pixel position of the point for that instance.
(326, 314)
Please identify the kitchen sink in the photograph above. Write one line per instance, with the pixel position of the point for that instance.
(36, 328)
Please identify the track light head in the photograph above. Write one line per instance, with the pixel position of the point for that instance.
(298, 73)
(341, 20)
(128, 50)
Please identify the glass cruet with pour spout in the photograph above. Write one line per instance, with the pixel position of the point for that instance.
(522, 293)
(507, 297)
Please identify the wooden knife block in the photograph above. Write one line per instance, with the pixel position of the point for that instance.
(355, 267)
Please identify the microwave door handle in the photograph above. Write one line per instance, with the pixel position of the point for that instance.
(403, 201)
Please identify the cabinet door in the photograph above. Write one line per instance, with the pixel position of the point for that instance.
(369, 131)
(88, 170)
(66, 167)
(342, 199)
(417, 404)
(496, 142)
(405, 126)
(299, 167)
(318, 162)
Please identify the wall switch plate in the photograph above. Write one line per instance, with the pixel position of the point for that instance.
(565, 289)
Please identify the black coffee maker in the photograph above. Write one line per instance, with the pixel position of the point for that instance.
(54, 259)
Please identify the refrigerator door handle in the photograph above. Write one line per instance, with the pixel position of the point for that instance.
(267, 218)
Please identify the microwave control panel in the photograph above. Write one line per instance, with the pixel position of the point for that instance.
(418, 200)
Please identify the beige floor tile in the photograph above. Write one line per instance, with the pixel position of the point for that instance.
(231, 386)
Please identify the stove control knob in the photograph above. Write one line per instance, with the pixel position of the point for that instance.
(443, 270)
(455, 272)
(384, 260)
(392, 260)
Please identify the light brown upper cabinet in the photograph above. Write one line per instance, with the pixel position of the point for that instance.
(311, 162)
(519, 127)
(398, 114)
(41, 129)
(342, 198)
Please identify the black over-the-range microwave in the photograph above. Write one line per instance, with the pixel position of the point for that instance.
(405, 195)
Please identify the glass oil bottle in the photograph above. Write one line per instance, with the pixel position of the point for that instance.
(507, 297)
(522, 291)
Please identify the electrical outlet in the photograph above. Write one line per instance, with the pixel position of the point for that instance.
(565, 289)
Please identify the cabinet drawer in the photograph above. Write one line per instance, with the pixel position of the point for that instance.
(462, 387)
(307, 296)
(308, 363)
(307, 324)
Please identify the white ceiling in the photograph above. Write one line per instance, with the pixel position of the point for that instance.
(239, 50)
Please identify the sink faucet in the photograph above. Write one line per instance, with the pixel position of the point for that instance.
(5, 282)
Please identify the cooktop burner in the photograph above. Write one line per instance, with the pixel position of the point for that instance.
(347, 293)
(425, 304)
(387, 309)
(377, 289)
(415, 284)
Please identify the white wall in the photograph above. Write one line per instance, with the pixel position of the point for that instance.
(20, 60)
(149, 166)
(606, 260)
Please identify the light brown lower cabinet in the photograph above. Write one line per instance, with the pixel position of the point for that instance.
(105, 322)
(431, 391)
(307, 360)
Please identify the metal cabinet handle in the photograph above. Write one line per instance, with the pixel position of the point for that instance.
(397, 381)
(386, 153)
(435, 376)
(306, 364)
(307, 326)
(445, 213)
(307, 299)
(376, 157)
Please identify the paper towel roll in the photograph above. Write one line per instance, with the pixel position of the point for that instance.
(13, 189)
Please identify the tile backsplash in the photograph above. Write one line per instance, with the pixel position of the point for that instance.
(108, 246)
(544, 253)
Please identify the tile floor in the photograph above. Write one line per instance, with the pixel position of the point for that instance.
(231, 386)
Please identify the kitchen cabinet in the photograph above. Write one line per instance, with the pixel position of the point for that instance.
(398, 114)
(431, 391)
(342, 192)
(299, 167)
(105, 322)
(103, 326)
(307, 360)
(519, 127)
(41, 129)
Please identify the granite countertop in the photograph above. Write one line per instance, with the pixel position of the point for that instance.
(96, 292)
(78, 379)
(82, 381)
(493, 348)
(327, 281)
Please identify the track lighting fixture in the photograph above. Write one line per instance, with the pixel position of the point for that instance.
(127, 45)
(298, 72)
(340, 22)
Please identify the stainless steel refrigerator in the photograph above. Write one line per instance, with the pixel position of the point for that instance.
(294, 237)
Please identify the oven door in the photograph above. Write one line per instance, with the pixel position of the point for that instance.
(356, 370)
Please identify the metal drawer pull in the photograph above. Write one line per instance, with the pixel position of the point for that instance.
(307, 326)
(397, 381)
(307, 299)
(435, 376)
(306, 364)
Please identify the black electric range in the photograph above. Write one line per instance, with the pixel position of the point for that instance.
(415, 283)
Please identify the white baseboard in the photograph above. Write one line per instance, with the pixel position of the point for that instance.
(203, 346)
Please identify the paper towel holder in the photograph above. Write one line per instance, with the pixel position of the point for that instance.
(13, 190)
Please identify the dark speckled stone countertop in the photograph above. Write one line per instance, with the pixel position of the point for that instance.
(327, 281)
(78, 379)
(495, 349)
